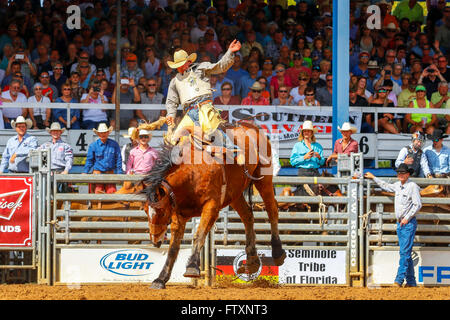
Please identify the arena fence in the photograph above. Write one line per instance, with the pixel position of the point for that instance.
(349, 240)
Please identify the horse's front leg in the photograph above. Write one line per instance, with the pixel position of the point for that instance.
(177, 232)
(210, 213)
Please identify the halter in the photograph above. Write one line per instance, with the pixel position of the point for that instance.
(173, 201)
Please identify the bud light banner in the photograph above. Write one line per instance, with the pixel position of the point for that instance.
(285, 122)
(16, 211)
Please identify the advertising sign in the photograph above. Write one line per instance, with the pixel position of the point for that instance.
(16, 211)
(83, 265)
(302, 266)
(431, 267)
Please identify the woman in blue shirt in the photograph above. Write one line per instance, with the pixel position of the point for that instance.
(60, 115)
(307, 154)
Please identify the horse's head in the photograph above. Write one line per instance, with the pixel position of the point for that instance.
(161, 206)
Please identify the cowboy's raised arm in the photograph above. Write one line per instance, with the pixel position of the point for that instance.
(224, 63)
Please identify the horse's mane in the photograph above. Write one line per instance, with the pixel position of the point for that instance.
(158, 172)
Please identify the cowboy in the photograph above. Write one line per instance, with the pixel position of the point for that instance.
(191, 88)
(414, 157)
(61, 153)
(438, 155)
(346, 145)
(407, 204)
(143, 157)
(103, 157)
(14, 158)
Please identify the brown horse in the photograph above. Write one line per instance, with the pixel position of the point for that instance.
(178, 190)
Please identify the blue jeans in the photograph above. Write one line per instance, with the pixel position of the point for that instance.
(406, 235)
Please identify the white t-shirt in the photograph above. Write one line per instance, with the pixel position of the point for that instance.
(37, 110)
(96, 115)
(13, 112)
(296, 96)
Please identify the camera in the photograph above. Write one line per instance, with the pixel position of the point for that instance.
(124, 81)
(430, 70)
(388, 71)
(19, 56)
(96, 89)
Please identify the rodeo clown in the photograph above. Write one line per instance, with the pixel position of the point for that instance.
(192, 89)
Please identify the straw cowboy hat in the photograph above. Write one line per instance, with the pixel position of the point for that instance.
(180, 57)
(347, 127)
(308, 125)
(256, 86)
(143, 132)
(21, 119)
(130, 132)
(103, 128)
(55, 126)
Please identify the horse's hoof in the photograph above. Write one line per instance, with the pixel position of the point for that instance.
(158, 284)
(280, 260)
(192, 272)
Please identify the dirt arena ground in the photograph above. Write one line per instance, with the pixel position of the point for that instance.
(217, 292)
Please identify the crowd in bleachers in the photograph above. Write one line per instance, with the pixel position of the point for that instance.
(285, 58)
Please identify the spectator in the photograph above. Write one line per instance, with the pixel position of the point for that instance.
(48, 90)
(325, 94)
(61, 152)
(13, 95)
(443, 67)
(143, 157)
(235, 73)
(409, 9)
(150, 64)
(372, 75)
(407, 204)
(408, 91)
(361, 69)
(41, 117)
(199, 31)
(309, 99)
(414, 157)
(99, 58)
(346, 145)
(85, 75)
(430, 78)
(27, 67)
(250, 43)
(221, 79)
(60, 114)
(274, 46)
(70, 58)
(307, 154)
(361, 87)
(43, 61)
(57, 79)
(255, 98)
(83, 57)
(279, 80)
(15, 71)
(283, 97)
(267, 71)
(421, 121)
(397, 74)
(438, 155)
(247, 80)
(128, 94)
(211, 45)
(440, 99)
(14, 157)
(443, 32)
(386, 121)
(315, 81)
(325, 68)
(103, 157)
(92, 118)
(131, 70)
(150, 96)
(125, 151)
(298, 93)
(226, 98)
(355, 99)
(77, 90)
(295, 70)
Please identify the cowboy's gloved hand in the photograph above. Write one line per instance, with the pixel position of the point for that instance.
(169, 121)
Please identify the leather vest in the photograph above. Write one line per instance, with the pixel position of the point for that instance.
(191, 85)
(416, 157)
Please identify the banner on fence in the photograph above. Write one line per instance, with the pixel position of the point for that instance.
(431, 267)
(94, 265)
(285, 122)
(16, 211)
(302, 266)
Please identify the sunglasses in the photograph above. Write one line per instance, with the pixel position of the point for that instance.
(67, 89)
(47, 76)
(256, 90)
(151, 85)
(57, 68)
(227, 89)
(38, 88)
(303, 79)
(282, 91)
(382, 91)
(278, 71)
(309, 94)
(144, 137)
(82, 67)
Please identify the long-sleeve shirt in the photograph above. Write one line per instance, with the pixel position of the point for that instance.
(407, 197)
(21, 149)
(61, 155)
(202, 71)
(439, 162)
(424, 168)
(298, 156)
(141, 161)
(103, 157)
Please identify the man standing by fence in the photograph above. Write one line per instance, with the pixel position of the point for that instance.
(407, 204)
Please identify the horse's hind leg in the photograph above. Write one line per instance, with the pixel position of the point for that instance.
(265, 188)
(210, 213)
(245, 212)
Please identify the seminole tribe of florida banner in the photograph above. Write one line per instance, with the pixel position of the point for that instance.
(284, 123)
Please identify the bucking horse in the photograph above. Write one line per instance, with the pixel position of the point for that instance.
(178, 188)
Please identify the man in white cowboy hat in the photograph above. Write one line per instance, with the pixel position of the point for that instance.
(103, 157)
(346, 145)
(14, 158)
(143, 157)
(414, 157)
(61, 153)
(191, 89)
(125, 152)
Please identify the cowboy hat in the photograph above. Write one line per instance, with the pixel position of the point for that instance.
(308, 125)
(130, 132)
(403, 168)
(21, 119)
(256, 86)
(180, 57)
(437, 134)
(55, 126)
(143, 132)
(102, 128)
(347, 127)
